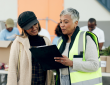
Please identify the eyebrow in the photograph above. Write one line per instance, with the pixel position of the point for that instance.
(65, 19)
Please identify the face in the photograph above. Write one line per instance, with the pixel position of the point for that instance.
(67, 25)
(33, 30)
(9, 29)
(91, 26)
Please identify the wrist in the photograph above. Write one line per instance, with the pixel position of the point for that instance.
(71, 63)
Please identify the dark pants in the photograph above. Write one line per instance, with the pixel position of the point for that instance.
(106, 80)
(3, 79)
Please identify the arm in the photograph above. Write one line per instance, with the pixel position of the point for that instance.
(91, 55)
(13, 59)
(2, 36)
(100, 46)
(101, 40)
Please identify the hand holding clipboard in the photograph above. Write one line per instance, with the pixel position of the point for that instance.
(45, 56)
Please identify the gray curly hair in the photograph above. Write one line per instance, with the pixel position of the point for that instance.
(72, 12)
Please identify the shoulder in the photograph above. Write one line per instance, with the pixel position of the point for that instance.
(20, 39)
(15, 28)
(15, 44)
(3, 33)
(99, 30)
(17, 39)
(56, 38)
(4, 30)
(90, 39)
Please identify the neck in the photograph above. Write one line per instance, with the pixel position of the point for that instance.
(69, 36)
(33, 37)
(90, 29)
(69, 39)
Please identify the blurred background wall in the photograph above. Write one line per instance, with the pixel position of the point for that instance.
(48, 11)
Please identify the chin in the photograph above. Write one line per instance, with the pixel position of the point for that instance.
(64, 33)
(34, 34)
(9, 30)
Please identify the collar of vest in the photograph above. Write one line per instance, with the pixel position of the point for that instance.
(65, 39)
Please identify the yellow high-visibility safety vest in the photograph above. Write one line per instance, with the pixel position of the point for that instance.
(78, 77)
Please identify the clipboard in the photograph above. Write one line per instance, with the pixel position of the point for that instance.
(45, 56)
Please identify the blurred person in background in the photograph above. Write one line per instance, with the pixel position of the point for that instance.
(80, 52)
(44, 32)
(10, 32)
(92, 27)
(58, 32)
(30, 70)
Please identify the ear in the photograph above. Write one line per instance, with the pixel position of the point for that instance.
(76, 23)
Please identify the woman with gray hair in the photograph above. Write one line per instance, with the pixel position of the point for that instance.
(80, 52)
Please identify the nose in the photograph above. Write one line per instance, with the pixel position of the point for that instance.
(61, 24)
(34, 28)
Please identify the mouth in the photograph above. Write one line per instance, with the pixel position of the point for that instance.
(34, 31)
(63, 30)
(9, 30)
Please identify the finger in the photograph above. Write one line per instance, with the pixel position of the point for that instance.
(57, 58)
(58, 61)
(61, 61)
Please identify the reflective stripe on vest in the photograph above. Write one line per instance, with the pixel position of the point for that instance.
(94, 81)
(78, 77)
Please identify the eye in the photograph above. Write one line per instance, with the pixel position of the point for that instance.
(66, 22)
(60, 22)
